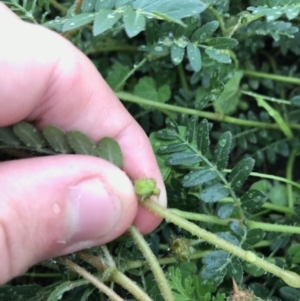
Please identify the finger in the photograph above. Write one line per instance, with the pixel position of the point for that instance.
(57, 84)
(60, 205)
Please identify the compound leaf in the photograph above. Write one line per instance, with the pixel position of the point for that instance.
(177, 54)
(183, 158)
(104, 20)
(8, 137)
(134, 22)
(252, 200)
(203, 140)
(222, 42)
(214, 193)
(109, 149)
(222, 150)
(235, 269)
(218, 55)
(59, 290)
(56, 138)
(191, 129)
(226, 210)
(198, 177)
(204, 32)
(81, 143)
(194, 56)
(254, 236)
(241, 172)
(78, 21)
(29, 135)
(172, 148)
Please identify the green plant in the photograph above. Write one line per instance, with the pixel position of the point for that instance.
(215, 84)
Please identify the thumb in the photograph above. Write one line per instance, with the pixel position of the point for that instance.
(55, 205)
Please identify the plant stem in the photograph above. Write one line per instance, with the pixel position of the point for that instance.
(218, 17)
(157, 271)
(113, 274)
(163, 261)
(275, 77)
(91, 278)
(252, 224)
(58, 6)
(273, 99)
(291, 278)
(209, 115)
(272, 177)
(182, 77)
(131, 72)
(129, 285)
(289, 176)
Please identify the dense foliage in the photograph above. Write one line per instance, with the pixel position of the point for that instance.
(215, 84)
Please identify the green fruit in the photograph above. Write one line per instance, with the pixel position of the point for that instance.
(145, 188)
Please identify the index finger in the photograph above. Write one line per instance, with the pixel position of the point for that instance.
(46, 80)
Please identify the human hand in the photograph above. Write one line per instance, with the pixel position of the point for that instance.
(56, 205)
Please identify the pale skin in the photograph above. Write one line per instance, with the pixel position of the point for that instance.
(45, 80)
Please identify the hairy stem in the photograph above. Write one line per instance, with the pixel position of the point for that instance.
(275, 77)
(289, 176)
(289, 277)
(209, 115)
(251, 224)
(91, 278)
(153, 263)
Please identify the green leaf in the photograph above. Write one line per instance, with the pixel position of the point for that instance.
(134, 22)
(166, 134)
(237, 229)
(222, 150)
(183, 158)
(176, 9)
(81, 143)
(252, 200)
(8, 137)
(191, 129)
(116, 74)
(203, 140)
(104, 20)
(235, 269)
(214, 193)
(225, 210)
(241, 172)
(276, 116)
(228, 237)
(156, 144)
(59, 290)
(276, 10)
(254, 236)
(218, 55)
(19, 292)
(289, 293)
(56, 138)
(56, 24)
(177, 54)
(194, 56)
(109, 149)
(204, 32)
(222, 43)
(215, 266)
(146, 88)
(229, 99)
(172, 148)
(29, 135)
(78, 21)
(198, 177)
(182, 287)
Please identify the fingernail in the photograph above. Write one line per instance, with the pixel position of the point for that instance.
(93, 211)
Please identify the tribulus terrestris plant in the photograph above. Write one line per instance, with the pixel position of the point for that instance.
(215, 84)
